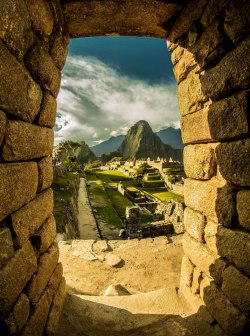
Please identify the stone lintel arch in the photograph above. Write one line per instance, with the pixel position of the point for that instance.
(209, 41)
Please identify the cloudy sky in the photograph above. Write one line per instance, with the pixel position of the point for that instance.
(109, 83)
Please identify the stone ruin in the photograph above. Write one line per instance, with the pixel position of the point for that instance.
(209, 41)
(132, 222)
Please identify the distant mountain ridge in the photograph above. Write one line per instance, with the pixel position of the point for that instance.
(141, 142)
(169, 136)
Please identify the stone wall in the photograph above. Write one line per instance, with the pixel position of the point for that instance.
(33, 49)
(210, 51)
(209, 41)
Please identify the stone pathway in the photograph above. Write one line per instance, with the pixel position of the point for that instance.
(86, 220)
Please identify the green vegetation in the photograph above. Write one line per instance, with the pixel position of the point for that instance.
(62, 188)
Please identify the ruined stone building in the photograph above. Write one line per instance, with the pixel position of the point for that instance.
(209, 41)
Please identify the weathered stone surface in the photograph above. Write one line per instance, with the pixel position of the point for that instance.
(116, 290)
(47, 115)
(6, 246)
(41, 16)
(177, 52)
(228, 316)
(15, 26)
(243, 208)
(190, 93)
(185, 64)
(211, 230)
(235, 246)
(22, 99)
(56, 309)
(230, 74)
(236, 286)
(2, 126)
(199, 161)
(18, 186)
(56, 277)
(189, 14)
(27, 220)
(39, 281)
(211, 46)
(45, 170)
(43, 69)
(37, 321)
(24, 141)
(228, 117)
(19, 315)
(212, 11)
(132, 18)
(187, 269)
(237, 20)
(15, 275)
(46, 235)
(195, 127)
(113, 260)
(213, 198)
(194, 224)
(59, 50)
(198, 254)
(233, 158)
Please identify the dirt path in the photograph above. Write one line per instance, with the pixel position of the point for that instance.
(86, 220)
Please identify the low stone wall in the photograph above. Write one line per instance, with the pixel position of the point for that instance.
(172, 212)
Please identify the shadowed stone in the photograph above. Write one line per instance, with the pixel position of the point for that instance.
(41, 16)
(29, 218)
(187, 269)
(59, 50)
(2, 126)
(23, 99)
(24, 141)
(6, 246)
(15, 275)
(243, 208)
(44, 238)
(45, 170)
(18, 186)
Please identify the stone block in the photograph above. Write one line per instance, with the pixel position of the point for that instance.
(237, 20)
(15, 27)
(190, 93)
(56, 277)
(228, 316)
(56, 309)
(233, 158)
(43, 69)
(177, 53)
(44, 238)
(194, 224)
(185, 64)
(47, 115)
(243, 208)
(46, 265)
(211, 46)
(27, 220)
(59, 50)
(6, 246)
(211, 230)
(23, 99)
(45, 170)
(190, 13)
(235, 246)
(214, 198)
(195, 127)
(41, 16)
(37, 321)
(2, 126)
(187, 269)
(228, 118)
(15, 275)
(212, 11)
(198, 254)
(236, 286)
(18, 186)
(229, 75)
(199, 161)
(19, 315)
(24, 141)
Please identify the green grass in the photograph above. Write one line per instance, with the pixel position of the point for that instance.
(62, 188)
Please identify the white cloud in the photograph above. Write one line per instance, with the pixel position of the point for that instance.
(96, 101)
